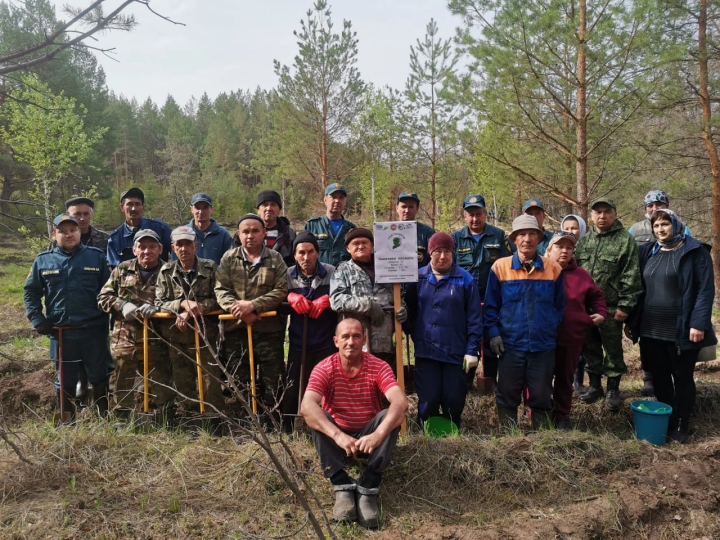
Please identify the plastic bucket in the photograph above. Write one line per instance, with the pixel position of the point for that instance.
(651, 420)
(439, 426)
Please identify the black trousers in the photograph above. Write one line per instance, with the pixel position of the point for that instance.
(673, 376)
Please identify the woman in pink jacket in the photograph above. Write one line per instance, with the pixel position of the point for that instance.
(585, 306)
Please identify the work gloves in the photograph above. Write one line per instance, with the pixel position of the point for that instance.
(401, 314)
(496, 346)
(319, 305)
(376, 313)
(470, 362)
(146, 310)
(44, 328)
(300, 304)
(128, 310)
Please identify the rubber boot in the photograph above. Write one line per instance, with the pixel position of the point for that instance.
(68, 416)
(594, 391)
(345, 508)
(368, 515)
(612, 399)
(578, 379)
(507, 417)
(679, 431)
(100, 397)
(648, 389)
(541, 420)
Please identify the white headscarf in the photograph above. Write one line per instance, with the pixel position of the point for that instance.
(581, 223)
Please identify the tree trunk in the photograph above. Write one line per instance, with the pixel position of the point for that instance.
(581, 114)
(433, 206)
(707, 139)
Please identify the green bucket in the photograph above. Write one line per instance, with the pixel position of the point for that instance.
(439, 426)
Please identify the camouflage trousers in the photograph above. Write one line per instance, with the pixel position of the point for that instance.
(184, 369)
(268, 354)
(129, 362)
(607, 337)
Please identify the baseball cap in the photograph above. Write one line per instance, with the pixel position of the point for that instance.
(409, 195)
(474, 201)
(332, 188)
(183, 233)
(62, 218)
(147, 233)
(603, 200)
(530, 203)
(561, 235)
(79, 200)
(201, 197)
(132, 193)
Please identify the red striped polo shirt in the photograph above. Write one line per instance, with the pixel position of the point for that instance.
(352, 402)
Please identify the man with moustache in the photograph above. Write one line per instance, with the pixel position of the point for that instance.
(212, 239)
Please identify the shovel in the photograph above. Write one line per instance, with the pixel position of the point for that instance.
(61, 374)
(484, 384)
(253, 387)
(303, 360)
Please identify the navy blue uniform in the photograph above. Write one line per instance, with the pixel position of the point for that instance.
(332, 247)
(69, 283)
(121, 241)
(424, 232)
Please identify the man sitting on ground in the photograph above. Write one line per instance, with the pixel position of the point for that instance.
(343, 408)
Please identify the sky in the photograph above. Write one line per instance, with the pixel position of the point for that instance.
(231, 44)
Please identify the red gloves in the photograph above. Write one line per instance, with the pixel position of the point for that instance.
(319, 305)
(299, 303)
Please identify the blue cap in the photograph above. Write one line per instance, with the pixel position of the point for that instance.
(332, 188)
(63, 218)
(409, 195)
(474, 201)
(533, 203)
(200, 197)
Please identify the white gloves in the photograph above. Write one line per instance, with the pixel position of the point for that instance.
(470, 362)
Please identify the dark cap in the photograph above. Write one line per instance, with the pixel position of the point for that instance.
(409, 195)
(359, 232)
(332, 188)
(79, 200)
(250, 215)
(132, 193)
(603, 200)
(305, 236)
(269, 195)
(474, 201)
(146, 233)
(183, 233)
(533, 203)
(200, 197)
(62, 218)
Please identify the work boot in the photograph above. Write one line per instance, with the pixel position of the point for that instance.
(368, 515)
(507, 417)
(578, 380)
(540, 420)
(100, 397)
(68, 416)
(594, 391)
(345, 509)
(563, 423)
(612, 399)
(648, 389)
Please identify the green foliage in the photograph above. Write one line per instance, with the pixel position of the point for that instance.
(46, 131)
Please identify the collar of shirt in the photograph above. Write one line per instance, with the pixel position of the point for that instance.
(536, 263)
(245, 258)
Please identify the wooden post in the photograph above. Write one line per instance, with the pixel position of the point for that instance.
(146, 358)
(399, 348)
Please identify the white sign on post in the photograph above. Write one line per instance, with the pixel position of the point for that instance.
(396, 259)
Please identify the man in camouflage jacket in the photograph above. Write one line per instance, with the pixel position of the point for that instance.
(355, 293)
(610, 255)
(250, 280)
(186, 288)
(129, 295)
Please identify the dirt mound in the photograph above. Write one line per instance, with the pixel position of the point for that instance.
(33, 388)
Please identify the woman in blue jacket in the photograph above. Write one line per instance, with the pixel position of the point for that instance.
(673, 318)
(446, 320)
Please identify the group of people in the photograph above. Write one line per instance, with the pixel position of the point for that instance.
(529, 304)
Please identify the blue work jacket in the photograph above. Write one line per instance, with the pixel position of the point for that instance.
(320, 331)
(69, 283)
(478, 257)
(525, 308)
(121, 241)
(212, 243)
(445, 315)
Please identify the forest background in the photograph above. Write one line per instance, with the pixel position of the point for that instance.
(559, 99)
